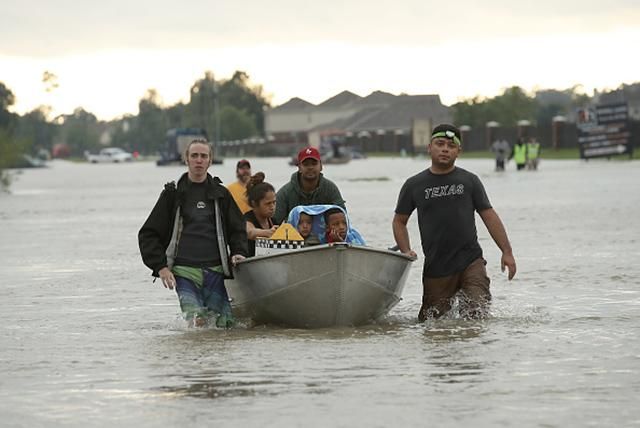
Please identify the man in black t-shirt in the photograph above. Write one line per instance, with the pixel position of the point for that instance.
(447, 198)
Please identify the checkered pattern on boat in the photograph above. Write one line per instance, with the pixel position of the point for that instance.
(271, 246)
(280, 244)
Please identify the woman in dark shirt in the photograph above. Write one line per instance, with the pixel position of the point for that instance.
(262, 199)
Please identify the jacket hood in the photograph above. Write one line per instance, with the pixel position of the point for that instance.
(319, 226)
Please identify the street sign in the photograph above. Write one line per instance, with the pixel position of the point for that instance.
(604, 131)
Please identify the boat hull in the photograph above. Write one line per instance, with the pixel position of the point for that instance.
(320, 286)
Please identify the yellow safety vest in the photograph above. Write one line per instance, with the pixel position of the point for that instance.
(520, 153)
(534, 150)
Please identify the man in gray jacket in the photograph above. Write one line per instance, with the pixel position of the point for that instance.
(307, 186)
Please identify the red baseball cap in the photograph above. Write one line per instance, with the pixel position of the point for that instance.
(242, 163)
(308, 153)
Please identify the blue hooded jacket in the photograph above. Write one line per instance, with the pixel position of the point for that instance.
(319, 227)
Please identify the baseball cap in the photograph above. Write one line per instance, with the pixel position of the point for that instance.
(447, 131)
(242, 163)
(308, 153)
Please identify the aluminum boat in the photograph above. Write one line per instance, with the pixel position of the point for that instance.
(319, 286)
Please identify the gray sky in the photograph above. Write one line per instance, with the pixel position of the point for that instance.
(72, 26)
(271, 39)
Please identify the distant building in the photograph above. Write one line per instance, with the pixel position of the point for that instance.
(626, 93)
(377, 122)
(547, 97)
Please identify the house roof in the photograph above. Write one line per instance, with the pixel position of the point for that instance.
(399, 114)
(295, 104)
(341, 99)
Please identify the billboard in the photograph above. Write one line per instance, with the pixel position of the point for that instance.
(604, 131)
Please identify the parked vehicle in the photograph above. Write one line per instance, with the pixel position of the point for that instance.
(109, 154)
(27, 161)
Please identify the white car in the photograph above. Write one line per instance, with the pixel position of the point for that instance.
(110, 154)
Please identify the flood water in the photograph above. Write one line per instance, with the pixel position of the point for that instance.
(88, 340)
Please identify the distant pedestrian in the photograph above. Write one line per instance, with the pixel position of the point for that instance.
(502, 151)
(519, 154)
(447, 198)
(238, 188)
(533, 154)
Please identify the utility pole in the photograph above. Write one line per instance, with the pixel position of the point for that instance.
(216, 114)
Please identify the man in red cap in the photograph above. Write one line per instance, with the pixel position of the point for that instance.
(307, 186)
(238, 188)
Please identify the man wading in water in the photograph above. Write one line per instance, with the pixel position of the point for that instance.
(187, 239)
(447, 198)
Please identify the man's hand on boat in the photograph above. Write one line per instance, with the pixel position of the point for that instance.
(410, 253)
(168, 280)
(236, 258)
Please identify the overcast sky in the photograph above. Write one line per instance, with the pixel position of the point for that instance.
(106, 54)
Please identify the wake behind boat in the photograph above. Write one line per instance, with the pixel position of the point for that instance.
(320, 286)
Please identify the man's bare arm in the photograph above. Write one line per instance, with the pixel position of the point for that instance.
(499, 234)
(401, 234)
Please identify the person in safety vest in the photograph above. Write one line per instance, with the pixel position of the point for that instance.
(519, 153)
(533, 153)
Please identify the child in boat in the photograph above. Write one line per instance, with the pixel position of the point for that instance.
(320, 227)
(305, 223)
(336, 225)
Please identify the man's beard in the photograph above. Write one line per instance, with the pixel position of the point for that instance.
(243, 177)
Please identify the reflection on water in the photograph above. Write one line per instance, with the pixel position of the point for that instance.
(88, 339)
(453, 330)
(207, 386)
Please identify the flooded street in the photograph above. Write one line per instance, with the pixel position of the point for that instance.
(88, 340)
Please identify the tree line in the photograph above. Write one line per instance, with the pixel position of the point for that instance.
(514, 104)
(227, 109)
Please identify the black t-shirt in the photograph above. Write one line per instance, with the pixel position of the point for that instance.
(446, 207)
(198, 244)
(251, 217)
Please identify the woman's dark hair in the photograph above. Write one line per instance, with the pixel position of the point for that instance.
(257, 188)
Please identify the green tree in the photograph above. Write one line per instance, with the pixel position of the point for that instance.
(201, 110)
(9, 150)
(34, 128)
(80, 131)
(175, 115)
(209, 98)
(239, 93)
(122, 132)
(237, 124)
(7, 99)
(150, 125)
(507, 108)
(470, 112)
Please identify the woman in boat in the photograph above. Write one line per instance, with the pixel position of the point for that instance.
(320, 225)
(262, 200)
